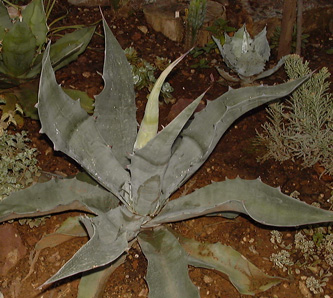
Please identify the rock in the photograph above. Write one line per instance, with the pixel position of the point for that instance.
(165, 17)
(168, 18)
(11, 248)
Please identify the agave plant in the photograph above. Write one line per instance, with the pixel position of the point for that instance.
(141, 169)
(246, 56)
(24, 33)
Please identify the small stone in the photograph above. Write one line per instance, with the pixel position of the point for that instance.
(207, 279)
(86, 74)
(143, 29)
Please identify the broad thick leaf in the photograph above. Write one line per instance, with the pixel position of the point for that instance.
(149, 163)
(265, 204)
(92, 283)
(55, 196)
(115, 109)
(167, 272)
(73, 132)
(35, 17)
(198, 140)
(109, 236)
(18, 49)
(5, 22)
(246, 277)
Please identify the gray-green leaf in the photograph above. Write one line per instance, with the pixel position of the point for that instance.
(265, 204)
(247, 278)
(55, 196)
(115, 109)
(167, 273)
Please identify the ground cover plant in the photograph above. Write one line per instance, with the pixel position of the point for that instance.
(143, 181)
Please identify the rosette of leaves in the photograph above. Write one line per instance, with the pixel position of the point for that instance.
(140, 170)
(246, 56)
(24, 33)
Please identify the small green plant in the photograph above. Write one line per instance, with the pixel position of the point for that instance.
(141, 169)
(219, 29)
(143, 73)
(302, 128)
(246, 56)
(18, 163)
(203, 63)
(310, 255)
(194, 20)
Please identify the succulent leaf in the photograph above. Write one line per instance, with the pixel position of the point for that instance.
(109, 236)
(33, 14)
(167, 272)
(263, 203)
(92, 284)
(115, 109)
(149, 163)
(200, 137)
(5, 22)
(55, 196)
(74, 132)
(247, 278)
(149, 125)
(18, 49)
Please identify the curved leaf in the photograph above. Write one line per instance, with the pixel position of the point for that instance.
(149, 124)
(247, 278)
(115, 109)
(167, 272)
(55, 196)
(198, 140)
(73, 132)
(265, 204)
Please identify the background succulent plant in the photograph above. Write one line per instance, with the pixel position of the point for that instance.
(246, 56)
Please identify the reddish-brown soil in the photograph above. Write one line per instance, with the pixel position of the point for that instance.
(235, 155)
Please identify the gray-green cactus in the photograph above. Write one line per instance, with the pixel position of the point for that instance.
(246, 56)
(141, 170)
(23, 35)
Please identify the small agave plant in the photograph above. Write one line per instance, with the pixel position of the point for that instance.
(141, 170)
(246, 56)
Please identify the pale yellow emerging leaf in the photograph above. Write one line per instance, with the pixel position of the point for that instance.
(149, 125)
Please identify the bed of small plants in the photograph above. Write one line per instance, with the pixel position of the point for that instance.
(304, 257)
